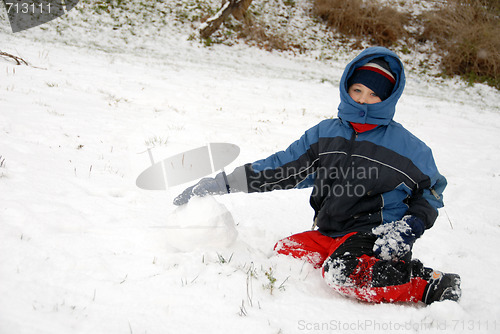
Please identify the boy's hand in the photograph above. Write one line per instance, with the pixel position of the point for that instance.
(396, 239)
(206, 186)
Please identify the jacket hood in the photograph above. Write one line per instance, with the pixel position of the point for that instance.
(379, 113)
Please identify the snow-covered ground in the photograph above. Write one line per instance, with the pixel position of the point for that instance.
(83, 250)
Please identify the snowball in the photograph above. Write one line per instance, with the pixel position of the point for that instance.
(201, 223)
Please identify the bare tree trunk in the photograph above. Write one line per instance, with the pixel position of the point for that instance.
(240, 9)
(235, 7)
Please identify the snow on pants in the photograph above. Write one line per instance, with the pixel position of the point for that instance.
(350, 268)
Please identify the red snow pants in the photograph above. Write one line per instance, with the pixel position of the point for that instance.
(349, 267)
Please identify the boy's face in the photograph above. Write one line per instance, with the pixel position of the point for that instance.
(362, 94)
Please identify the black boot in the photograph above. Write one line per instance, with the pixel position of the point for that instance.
(418, 270)
(441, 287)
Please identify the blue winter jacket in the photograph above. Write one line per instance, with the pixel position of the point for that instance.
(359, 180)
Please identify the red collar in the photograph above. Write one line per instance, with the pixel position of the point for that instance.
(359, 128)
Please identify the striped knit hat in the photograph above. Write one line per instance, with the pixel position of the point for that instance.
(375, 75)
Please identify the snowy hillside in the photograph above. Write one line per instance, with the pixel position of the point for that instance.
(86, 251)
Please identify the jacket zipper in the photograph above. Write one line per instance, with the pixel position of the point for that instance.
(347, 160)
(354, 136)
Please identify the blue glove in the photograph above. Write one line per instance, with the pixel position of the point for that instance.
(395, 239)
(206, 186)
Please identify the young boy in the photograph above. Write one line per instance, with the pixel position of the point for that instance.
(376, 189)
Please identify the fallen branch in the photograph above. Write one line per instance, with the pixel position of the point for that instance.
(18, 60)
